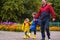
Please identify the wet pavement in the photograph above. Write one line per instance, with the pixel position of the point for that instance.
(6, 35)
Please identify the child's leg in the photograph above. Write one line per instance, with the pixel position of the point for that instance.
(30, 30)
(26, 33)
(25, 36)
(34, 34)
(29, 33)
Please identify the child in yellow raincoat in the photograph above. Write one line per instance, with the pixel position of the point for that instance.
(26, 27)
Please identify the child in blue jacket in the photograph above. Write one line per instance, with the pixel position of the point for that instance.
(33, 25)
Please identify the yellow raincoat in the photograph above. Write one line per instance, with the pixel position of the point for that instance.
(26, 26)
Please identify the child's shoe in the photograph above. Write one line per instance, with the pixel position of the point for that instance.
(34, 36)
(29, 34)
(25, 36)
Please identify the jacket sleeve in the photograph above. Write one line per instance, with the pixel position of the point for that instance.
(38, 14)
(52, 11)
(22, 26)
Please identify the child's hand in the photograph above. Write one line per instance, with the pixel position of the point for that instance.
(34, 19)
(53, 19)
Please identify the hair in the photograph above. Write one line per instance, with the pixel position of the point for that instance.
(26, 19)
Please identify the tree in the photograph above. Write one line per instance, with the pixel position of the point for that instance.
(16, 10)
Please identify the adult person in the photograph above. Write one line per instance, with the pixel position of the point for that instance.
(44, 18)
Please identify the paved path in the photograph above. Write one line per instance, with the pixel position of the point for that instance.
(5, 35)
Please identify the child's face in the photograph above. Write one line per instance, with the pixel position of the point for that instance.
(27, 20)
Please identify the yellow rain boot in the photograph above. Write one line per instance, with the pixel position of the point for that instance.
(34, 36)
(29, 34)
(25, 36)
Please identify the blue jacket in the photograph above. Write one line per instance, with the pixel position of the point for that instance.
(33, 25)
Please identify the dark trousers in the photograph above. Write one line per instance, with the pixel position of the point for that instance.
(45, 27)
(33, 31)
(26, 33)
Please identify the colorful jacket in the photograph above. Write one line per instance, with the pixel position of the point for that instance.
(25, 26)
(33, 25)
(45, 12)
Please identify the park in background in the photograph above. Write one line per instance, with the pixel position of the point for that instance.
(13, 13)
(17, 27)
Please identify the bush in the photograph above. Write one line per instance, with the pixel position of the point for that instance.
(18, 28)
